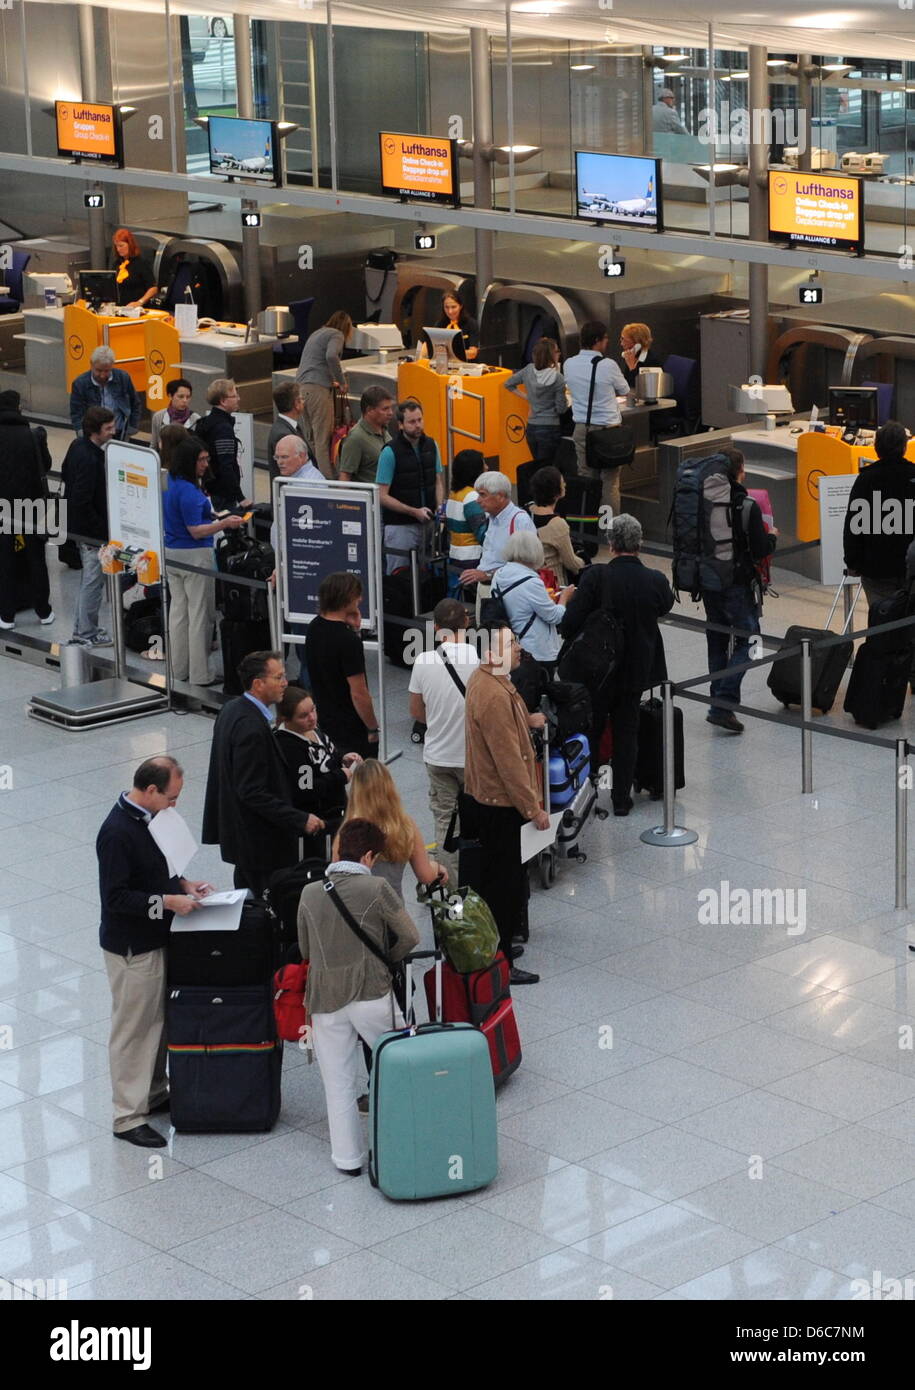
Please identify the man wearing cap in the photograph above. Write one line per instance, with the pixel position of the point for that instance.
(665, 119)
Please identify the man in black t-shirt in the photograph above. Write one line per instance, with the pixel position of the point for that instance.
(335, 659)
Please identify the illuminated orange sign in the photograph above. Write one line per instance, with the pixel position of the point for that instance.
(87, 130)
(419, 166)
(816, 209)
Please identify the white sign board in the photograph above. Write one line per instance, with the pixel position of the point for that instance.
(134, 496)
(834, 492)
(244, 433)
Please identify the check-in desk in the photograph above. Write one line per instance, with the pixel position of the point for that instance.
(209, 353)
(466, 411)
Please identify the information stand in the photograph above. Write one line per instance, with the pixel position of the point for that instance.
(322, 530)
(135, 521)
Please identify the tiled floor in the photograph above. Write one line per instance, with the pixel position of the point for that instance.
(703, 1111)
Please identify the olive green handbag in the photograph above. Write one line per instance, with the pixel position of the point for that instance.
(463, 926)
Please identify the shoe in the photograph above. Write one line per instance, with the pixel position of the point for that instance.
(101, 639)
(362, 1105)
(7, 627)
(515, 952)
(46, 622)
(144, 1136)
(351, 1172)
(519, 940)
(622, 808)
(161, 1108)
(724, 719)
(523, 977)
(80, 642)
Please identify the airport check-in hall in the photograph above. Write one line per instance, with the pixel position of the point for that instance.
(457, 650)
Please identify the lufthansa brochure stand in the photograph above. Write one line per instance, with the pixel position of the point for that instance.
(323, 528)
(135, 528)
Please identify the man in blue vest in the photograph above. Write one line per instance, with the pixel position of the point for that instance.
(410, 479)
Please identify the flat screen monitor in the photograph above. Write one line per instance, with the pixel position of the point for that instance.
(98, 287)
(447, 340)
(621, 189)
(244, 149)
(853, 407)
(814, 209)
(420, 167)
(88, 130)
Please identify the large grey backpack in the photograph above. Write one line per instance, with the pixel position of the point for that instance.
(703, 526)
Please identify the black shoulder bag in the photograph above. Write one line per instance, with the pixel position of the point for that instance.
(452, 672)
(606, 446)
(398, 973)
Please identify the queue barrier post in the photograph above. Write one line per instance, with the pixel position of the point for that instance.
(902, 787)
(806, 717)
(669, 833)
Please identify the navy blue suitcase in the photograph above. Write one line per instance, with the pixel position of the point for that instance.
(224, 1059)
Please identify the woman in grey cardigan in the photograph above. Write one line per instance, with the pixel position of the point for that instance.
(545, 390)
(318, 373)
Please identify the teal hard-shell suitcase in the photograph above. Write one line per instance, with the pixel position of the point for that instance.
(432, 1108)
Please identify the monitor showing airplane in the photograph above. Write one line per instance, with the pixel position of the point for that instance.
(618, 188)
(243, 148)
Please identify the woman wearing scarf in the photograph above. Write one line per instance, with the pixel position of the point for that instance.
(177, 412)
(134, 278)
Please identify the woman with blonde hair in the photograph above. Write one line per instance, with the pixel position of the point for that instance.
(635, 346)
(373, 796)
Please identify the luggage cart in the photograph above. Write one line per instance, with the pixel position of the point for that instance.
(575, 817)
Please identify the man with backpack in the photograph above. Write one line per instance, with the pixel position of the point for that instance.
(614, 614)
(438, 685)
(719, 538)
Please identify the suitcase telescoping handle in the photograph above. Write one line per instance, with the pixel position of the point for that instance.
(408, 961)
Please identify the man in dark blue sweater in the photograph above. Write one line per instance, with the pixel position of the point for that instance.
(139, 899)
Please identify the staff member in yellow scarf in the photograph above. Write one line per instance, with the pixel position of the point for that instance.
(134, 277)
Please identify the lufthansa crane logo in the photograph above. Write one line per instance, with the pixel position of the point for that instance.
(514, 429)
(780, 184)
(75, 347)
(813, 482)
(390, 145)
(156, 362)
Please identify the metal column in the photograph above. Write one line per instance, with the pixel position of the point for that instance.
(805, 111)
(902, 792)
(88, 66)
(251, 263)
(759, 213)
(244, 80)
(481, 83)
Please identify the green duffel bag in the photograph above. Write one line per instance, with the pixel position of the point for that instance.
(464, 928)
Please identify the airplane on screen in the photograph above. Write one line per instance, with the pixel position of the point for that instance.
(259, 162)
(625, 207)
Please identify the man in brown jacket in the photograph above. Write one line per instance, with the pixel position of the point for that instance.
(502, 779)
(349, 994)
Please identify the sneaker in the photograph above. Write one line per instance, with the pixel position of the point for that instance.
(46, 622)
(724, 719)
(6, 627)
(80, 642)
(101, 639)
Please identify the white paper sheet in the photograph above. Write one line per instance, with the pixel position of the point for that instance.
(173, 836)
(533, 840)
(217, 912)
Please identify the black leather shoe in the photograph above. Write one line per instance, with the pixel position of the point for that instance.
(351, 1172)
(515, 952)
(519, 940)
(724, 719)
(622, 808)
(161, 1108)
(523, 977)
(144, 1136)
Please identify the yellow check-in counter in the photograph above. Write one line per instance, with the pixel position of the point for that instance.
(469, 412)
(824, 455)
(145, 347)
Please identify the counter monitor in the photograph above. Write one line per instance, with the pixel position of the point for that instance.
(621, 189)
(420, 167)
(244, 149)
(98, 287)
(815, 209)
(88, 130)
(853, 408)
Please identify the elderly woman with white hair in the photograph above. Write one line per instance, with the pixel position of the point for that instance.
(533, 615)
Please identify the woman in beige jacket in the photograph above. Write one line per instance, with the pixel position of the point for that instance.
(548, 486)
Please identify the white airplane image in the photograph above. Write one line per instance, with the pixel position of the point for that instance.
(626, 207)
(257, 163)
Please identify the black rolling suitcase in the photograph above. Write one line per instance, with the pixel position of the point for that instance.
(238, 639)
(284, 891)
(877, 685)
(224, 1059)
(248, 956)
(649, 763)
(581, 508)
(827, 666)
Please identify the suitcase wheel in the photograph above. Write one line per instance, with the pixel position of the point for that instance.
(601, 813)
(547, 869)
(581, 858)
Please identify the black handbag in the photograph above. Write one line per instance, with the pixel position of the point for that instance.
(606, 446)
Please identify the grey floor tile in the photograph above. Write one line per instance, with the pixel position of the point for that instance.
(667, 963)
(858, 1241)
(667, 1023)
(766, 1275)
(569, 1204)
(756, 1054)
(281, 1170)
(363, 1277)
(847, 1087)
(833, 962)
(584, 1055)
(466, 1247)
(95, 1169)
(667, 1246)
(751, 991)
(575, 1126)
(667, 1089)
(359, 1213)
(53, 1064)
(32, 967)
(567, 1275)
(22, 1208)
(71, 1003)
(838, 1021)
(263, 1251)
(189, 1205)
(855, 1160)
(159, 1279)
(523, 1090)
(35, 1128)
(767, 1203)
(74, 1248)
(760, 1123)
(667, 1163)
(585, 993)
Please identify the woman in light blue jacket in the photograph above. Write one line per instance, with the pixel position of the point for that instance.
(533, 615)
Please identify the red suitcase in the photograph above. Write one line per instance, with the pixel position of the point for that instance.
(484, 999)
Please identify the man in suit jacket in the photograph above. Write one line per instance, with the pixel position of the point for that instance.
(248, 811)
(637, 596)
(105, 385)
(287, 397)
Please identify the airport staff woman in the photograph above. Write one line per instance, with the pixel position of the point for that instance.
(636, 350)
(136, 286)
(454, 315)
